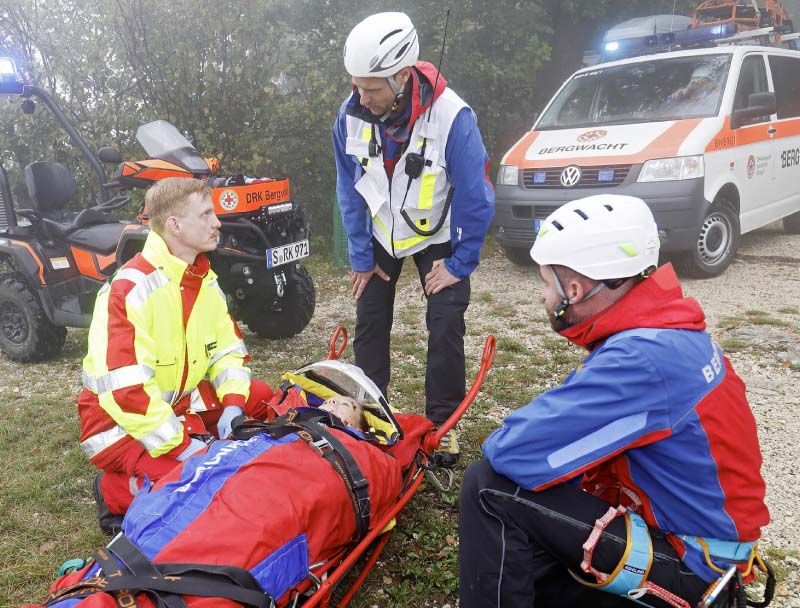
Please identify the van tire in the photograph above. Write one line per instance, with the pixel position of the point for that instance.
(519, 256)
(716, 244)
(26, 334)
(791, 223)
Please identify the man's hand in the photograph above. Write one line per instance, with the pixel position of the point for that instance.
(360, 279)
(438, 278)
(226, 420)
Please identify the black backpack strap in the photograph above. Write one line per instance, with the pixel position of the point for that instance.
(164, 583)
(330, 448)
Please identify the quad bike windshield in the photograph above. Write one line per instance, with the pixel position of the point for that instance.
(161, 140)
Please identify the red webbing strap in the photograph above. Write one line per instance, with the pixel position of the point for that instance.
(591, 543)
(664, 595)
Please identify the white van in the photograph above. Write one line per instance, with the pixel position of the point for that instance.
(709, 138)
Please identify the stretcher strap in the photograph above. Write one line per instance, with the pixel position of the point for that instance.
(311, 428)
(164, 583)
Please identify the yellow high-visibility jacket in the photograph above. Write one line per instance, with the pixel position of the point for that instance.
(159, 328)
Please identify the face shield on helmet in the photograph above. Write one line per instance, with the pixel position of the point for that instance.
(381, 45)
(602, 237)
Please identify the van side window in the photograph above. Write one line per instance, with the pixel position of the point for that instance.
(752, 79)
(786, 79)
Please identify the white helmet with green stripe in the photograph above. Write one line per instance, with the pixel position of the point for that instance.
(607, 236)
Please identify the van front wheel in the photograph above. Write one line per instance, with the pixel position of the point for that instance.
(717, 242)
(791, 223)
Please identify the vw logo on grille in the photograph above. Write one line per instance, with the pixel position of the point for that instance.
(570, 176)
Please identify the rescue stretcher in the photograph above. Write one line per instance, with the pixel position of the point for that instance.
(336, 580)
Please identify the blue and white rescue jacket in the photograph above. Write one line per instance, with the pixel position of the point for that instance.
(372, 191)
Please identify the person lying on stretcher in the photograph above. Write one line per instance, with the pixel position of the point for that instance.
(259, 516)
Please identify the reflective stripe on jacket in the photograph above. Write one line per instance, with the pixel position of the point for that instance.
(424, 200)
(159, 328)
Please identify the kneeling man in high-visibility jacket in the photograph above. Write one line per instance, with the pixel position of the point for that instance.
(166, 362)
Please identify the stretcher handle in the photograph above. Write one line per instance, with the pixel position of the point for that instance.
(489, 350)
(335, 352)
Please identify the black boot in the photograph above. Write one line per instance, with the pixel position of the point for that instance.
(110, 523)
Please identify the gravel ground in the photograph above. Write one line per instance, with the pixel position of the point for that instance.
(763, 282)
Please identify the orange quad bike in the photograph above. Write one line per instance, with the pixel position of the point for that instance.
(263, 237)
(53, 260)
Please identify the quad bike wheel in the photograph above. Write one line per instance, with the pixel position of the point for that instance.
(295, 311)
(26, 334)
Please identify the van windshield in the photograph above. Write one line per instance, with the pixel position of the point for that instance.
(647, 91)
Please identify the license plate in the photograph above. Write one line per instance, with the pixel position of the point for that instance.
(278, 256)
(536, 225)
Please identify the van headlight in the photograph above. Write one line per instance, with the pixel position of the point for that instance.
(668, 169)
(508, 176)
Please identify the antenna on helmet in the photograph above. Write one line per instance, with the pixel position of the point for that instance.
(441, 59)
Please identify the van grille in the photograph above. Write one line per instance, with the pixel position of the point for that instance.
(613, 175)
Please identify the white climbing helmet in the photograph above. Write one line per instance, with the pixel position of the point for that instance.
(381, 45)
(607, 236)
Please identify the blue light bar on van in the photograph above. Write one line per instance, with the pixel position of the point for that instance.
(708, 33)
(652, 43)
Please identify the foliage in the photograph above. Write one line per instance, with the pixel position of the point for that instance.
(257, 83)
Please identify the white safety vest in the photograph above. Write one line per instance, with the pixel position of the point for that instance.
(426, 197)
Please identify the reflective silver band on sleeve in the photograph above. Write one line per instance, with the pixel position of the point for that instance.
(98, 442)
(237, 347)
(232, 373)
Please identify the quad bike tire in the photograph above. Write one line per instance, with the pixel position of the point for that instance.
(297, 308)
(26, 334)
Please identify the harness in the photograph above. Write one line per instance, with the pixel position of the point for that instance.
(311, 427)
(125, 571)
(629, 578)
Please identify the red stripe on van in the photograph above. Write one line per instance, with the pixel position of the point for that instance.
(664, 146)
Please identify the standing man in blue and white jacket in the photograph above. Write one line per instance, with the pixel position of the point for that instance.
(411, 181)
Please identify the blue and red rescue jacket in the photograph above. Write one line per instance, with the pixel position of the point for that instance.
(655, 410)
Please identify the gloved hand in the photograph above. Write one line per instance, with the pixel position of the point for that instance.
(195, 445)
(224, 424)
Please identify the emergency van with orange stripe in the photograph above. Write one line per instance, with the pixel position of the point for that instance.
(708, 137)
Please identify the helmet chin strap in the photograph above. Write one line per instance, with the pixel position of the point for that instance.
(565, 303)
(398, 96)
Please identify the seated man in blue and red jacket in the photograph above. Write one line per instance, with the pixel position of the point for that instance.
(641, 472)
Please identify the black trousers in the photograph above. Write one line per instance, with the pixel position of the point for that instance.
(445, 384)
(516, 547)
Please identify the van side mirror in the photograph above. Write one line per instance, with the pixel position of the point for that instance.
(758, 104)
(107, 154)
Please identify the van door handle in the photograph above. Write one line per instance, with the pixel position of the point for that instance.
(772, 130)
